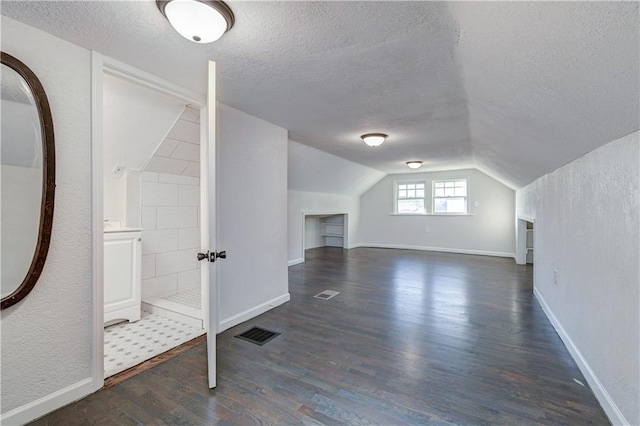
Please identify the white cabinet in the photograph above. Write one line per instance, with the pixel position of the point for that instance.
(122, 275)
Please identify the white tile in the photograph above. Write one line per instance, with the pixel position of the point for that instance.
(160, 286)
(181, 180)
(177, 217)
(187, 151)
(129, 344)
(159, 194)
(193, 169)
(148, 266)
(190, 114)
(166, 165)
(175, 261)
(149, 177)
(189, 238)
(160, 241)
(190, 317)
(148, 218)
(188, 280)
(185, 131)
(189, 195)
(167, 147)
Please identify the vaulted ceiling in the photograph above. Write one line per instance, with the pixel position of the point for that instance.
(516, 89)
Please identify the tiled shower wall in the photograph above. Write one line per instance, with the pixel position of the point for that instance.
(170, 234)
(170, 211)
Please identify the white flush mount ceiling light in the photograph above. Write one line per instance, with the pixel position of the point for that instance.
(201, 21)
(414, 164)
(374, 139)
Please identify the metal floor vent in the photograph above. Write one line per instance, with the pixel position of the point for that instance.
(327, 294)
(258, 335)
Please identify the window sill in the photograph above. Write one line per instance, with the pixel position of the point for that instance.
(431, 214)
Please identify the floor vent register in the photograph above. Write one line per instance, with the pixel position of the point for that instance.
(258, 335)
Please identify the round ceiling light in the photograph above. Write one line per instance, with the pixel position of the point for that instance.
(201, 21)
(374, 139)
(414, 164)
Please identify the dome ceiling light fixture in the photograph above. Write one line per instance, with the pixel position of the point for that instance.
(200, 21)
(374, 139)
(415, 164)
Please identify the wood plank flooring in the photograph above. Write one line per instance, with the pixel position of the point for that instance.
(412, 338)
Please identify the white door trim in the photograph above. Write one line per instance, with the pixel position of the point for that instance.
(100, 65)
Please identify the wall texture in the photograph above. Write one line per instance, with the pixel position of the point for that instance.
(46, 338)
(251, 192)
(307, 171)
(587, 218)
(316, 202)
(489, 229)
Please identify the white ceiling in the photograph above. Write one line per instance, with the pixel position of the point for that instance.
(513, 88)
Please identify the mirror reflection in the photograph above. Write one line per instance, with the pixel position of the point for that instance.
(21, 179)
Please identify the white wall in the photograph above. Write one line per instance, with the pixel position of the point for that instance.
(587, 219)
(489, 229)
(312, 235)
(46, 338)
(307, 171)
(251, 192)
(316, 202)
(170, 234)
(136, 120)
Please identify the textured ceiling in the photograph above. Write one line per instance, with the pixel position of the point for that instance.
(514, 88)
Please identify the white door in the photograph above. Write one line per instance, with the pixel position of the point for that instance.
(208, 221)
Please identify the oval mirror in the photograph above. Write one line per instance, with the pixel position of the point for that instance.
(27, 179)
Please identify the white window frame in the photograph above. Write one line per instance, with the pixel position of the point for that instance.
(396, 185)
(434, 197)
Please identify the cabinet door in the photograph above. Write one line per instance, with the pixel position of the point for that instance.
(122, 258)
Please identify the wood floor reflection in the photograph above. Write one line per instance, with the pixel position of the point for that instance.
(412, 338)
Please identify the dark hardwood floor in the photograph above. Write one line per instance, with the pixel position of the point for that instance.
(412, 338)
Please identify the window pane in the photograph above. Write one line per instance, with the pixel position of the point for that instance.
(439, 184)
(411, 206)
(440, 205)
(456, 205)
(420, 186)
(401, 187)
(450, 205)
(411, 193)
(439, 192)
(448, 184)
(411, 186)
(402, 194)
(461, 192)
(449, 192)
(420, 193)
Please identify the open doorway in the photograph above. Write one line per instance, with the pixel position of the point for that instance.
(153, 299)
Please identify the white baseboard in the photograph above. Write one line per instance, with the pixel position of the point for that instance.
(253, 312)
(352, 246)
(610, 408)
(296, 261)
(38, 408)
(439, 249)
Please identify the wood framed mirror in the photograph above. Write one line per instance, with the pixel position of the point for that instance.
(27, 182)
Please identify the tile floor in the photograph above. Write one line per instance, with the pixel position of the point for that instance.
(129, 344)
(183, 307)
